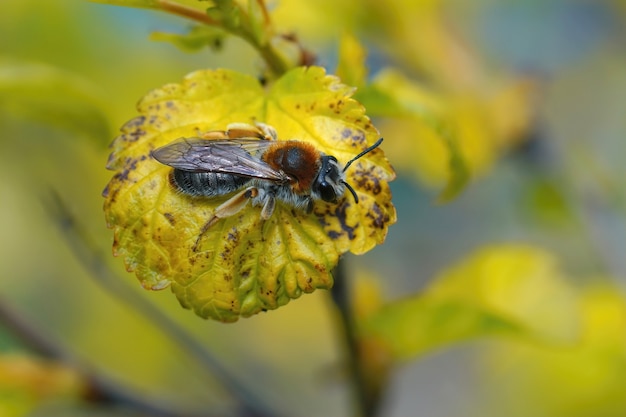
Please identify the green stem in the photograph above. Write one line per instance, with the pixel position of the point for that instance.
(367, 402)
(270, 55)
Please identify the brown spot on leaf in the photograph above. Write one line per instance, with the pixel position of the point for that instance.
(233, 236)
(357, 136)
(170, 218)
(130, 164)
(133, 136)
(341, 215)
(378, 217)
(367, 180)
(134, 123)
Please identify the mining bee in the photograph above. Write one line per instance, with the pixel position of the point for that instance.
(250, 162)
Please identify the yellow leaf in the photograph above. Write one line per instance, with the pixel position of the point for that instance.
(432, 141)
(586, 379)
(508, 290)
(351, 67)
(244, 264)
(448, 138)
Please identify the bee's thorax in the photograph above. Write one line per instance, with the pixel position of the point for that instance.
(299, 160)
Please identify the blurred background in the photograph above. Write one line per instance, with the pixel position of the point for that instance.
(537, 91)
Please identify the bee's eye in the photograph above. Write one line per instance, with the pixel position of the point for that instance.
(327, 192)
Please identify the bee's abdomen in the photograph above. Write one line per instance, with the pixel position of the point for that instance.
(207, 184)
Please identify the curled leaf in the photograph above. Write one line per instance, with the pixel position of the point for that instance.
(449, 138)
(244, 264)
(432, 145)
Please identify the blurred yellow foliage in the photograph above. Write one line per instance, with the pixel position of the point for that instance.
(448, 110)
(70, 71)
(27, 382)
(584, 380)
(511, 290)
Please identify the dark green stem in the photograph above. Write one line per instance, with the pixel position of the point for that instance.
(366, 402)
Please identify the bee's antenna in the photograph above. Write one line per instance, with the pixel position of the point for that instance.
(371, 148)
(349, 187)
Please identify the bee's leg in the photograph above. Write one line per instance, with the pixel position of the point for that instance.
(268, 131)
(308, 208)
(268, 207)
(228, 208)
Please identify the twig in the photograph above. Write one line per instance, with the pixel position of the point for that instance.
(367, 402)
(98, 387)
(186, 11)
(94, 262)
(270, 55)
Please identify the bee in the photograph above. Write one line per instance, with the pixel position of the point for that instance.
(252, 163)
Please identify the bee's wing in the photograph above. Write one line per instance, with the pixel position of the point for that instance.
(232, 156)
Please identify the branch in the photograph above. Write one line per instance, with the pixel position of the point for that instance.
(94, 262)
(366, 397)
(186, 11)
(268, 52)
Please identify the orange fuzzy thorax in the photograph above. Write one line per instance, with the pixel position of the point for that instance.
(299, 160)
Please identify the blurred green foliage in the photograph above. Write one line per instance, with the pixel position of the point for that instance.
(530, 97)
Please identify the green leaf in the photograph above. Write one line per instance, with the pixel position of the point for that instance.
(504, 291)
(459, 173)
(197, 38)
(547, 202)
(52, 96)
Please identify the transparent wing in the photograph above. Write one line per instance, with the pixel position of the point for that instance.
(230, 156)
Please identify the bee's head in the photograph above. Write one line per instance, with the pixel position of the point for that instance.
(330, 182)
